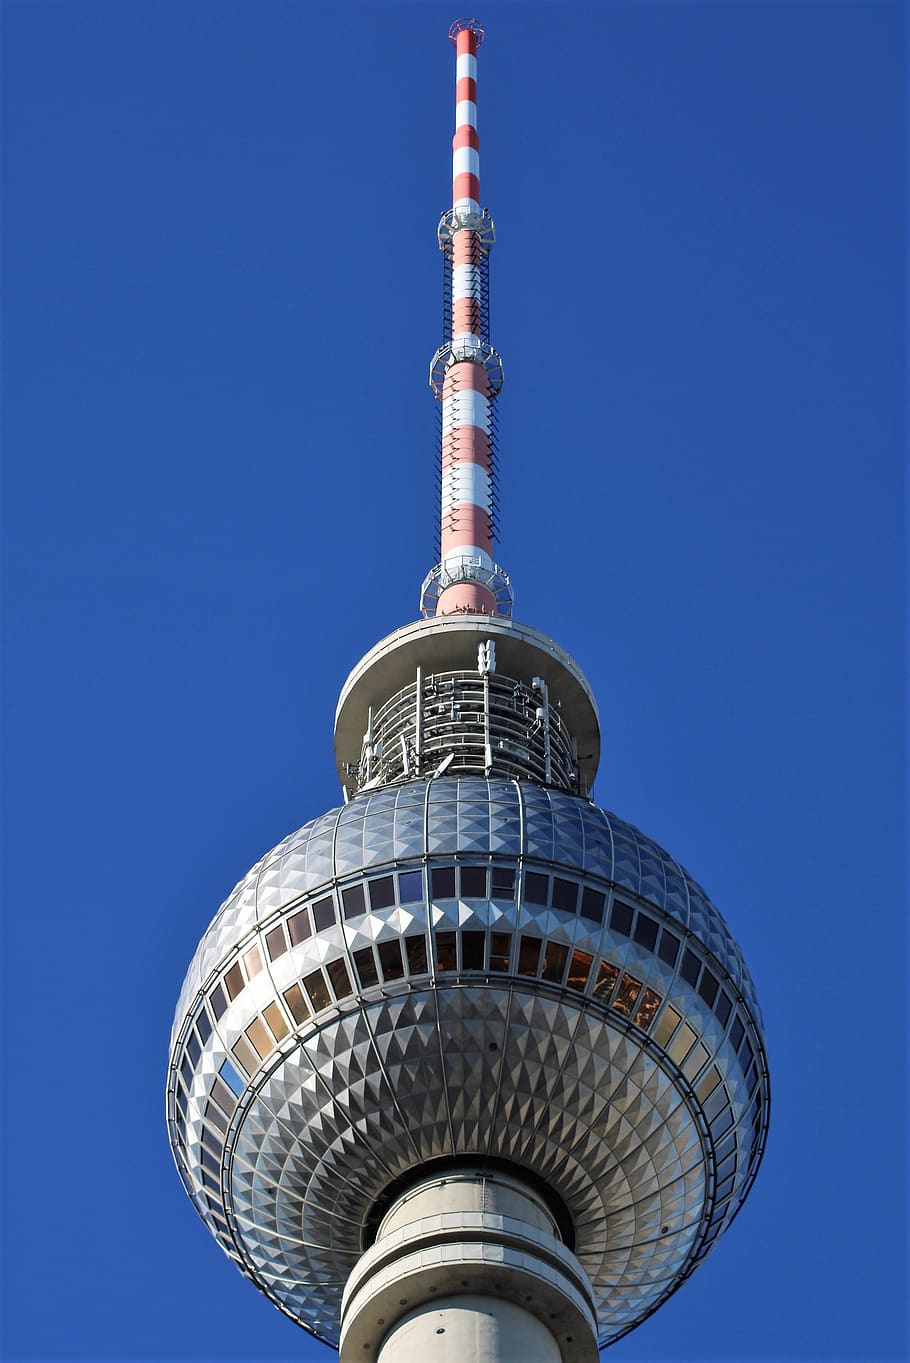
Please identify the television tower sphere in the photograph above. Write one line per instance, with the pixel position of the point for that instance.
(467, 1067)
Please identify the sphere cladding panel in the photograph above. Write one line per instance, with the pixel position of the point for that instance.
(566, 1086)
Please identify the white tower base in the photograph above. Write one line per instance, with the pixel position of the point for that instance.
(468, 1267)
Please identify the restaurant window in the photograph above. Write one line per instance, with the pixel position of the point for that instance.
(366, 967)
(382, 893)
(528, 955)
(554, 962)
(390, 960)
(628, 991)
(443, 881)
(473, 882)
(607, 976)
(500, 949)
(472, 945)
(416, 948)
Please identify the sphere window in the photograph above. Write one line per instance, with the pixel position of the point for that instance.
(366, 967)
(529, 955)
(299, 927)
(214, 1115)
(390, 959)
(628, 992)
(382, 893)
(536, 888)
(500, 951)
(244, 1054)
(260, 1038)
(645, 933)
(472, 948)
(696, 1060)
(647, 1008)
(352, 899)
(621, 918)
(276, 942)
(416, 947)
(193, 1049)
(565, 895)
(668, 951)
(554, 962)
(203, 1027)
(446, 951)
(253, 963)
(234, 981)
(708, 1084)
(606, 979)
(682, 1044)
(473, 882)
(231, 1078)
(217, 1001)
(723, 1008)
(737, 1032)
(708, 987)
(592, 904)
(690, 967)
(341, 980)
(274, 1017)
(410, 887)
(324, 914)
(443, 879)
(503, 882)
(318, 994)
(579, 970)
(668, 1024)
(293, 997)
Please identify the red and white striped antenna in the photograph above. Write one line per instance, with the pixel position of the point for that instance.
(466, 372)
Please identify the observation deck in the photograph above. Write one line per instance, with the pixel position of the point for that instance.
(467, 694)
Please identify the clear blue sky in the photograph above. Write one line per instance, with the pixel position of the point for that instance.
(221, 293)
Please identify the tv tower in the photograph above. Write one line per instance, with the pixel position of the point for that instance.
(467, 1068)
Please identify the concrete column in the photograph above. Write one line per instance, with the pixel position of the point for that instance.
(468, 1267)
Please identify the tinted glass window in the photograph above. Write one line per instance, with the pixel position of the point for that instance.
(607, 976)
(324, 914)
(645, 933)
(233, 980)
(529, 955)
(222, 1095)
(203, 1027)
(276, 943)
(352, 901)
(416, 948)
(316, 988)
(737, 1032)
(626, 994)
(445, 949)
(650, 1002)
(245, 1055)
(366, 967)
(382, 893)
(472, 945)
(193, 1049)
(722, 1008)
(536, 887)
(410, 887)
(554, 961)
(579, 969)
(214, 1115)
(669, 947)
(473, 882)
(592, 904)
(565, 895)
(690, 967)
(294, 1000)
(500, 948)
(390, 960)
(299, 927)
(275, 1018)
(621, 917)
(341, 980)
(253, 962)
(259, 1037)
(443, 879)
(707, 987)
(217, 1001)
(232, 1079)
(504, 882)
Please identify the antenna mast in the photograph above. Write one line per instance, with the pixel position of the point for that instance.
(466, 373)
